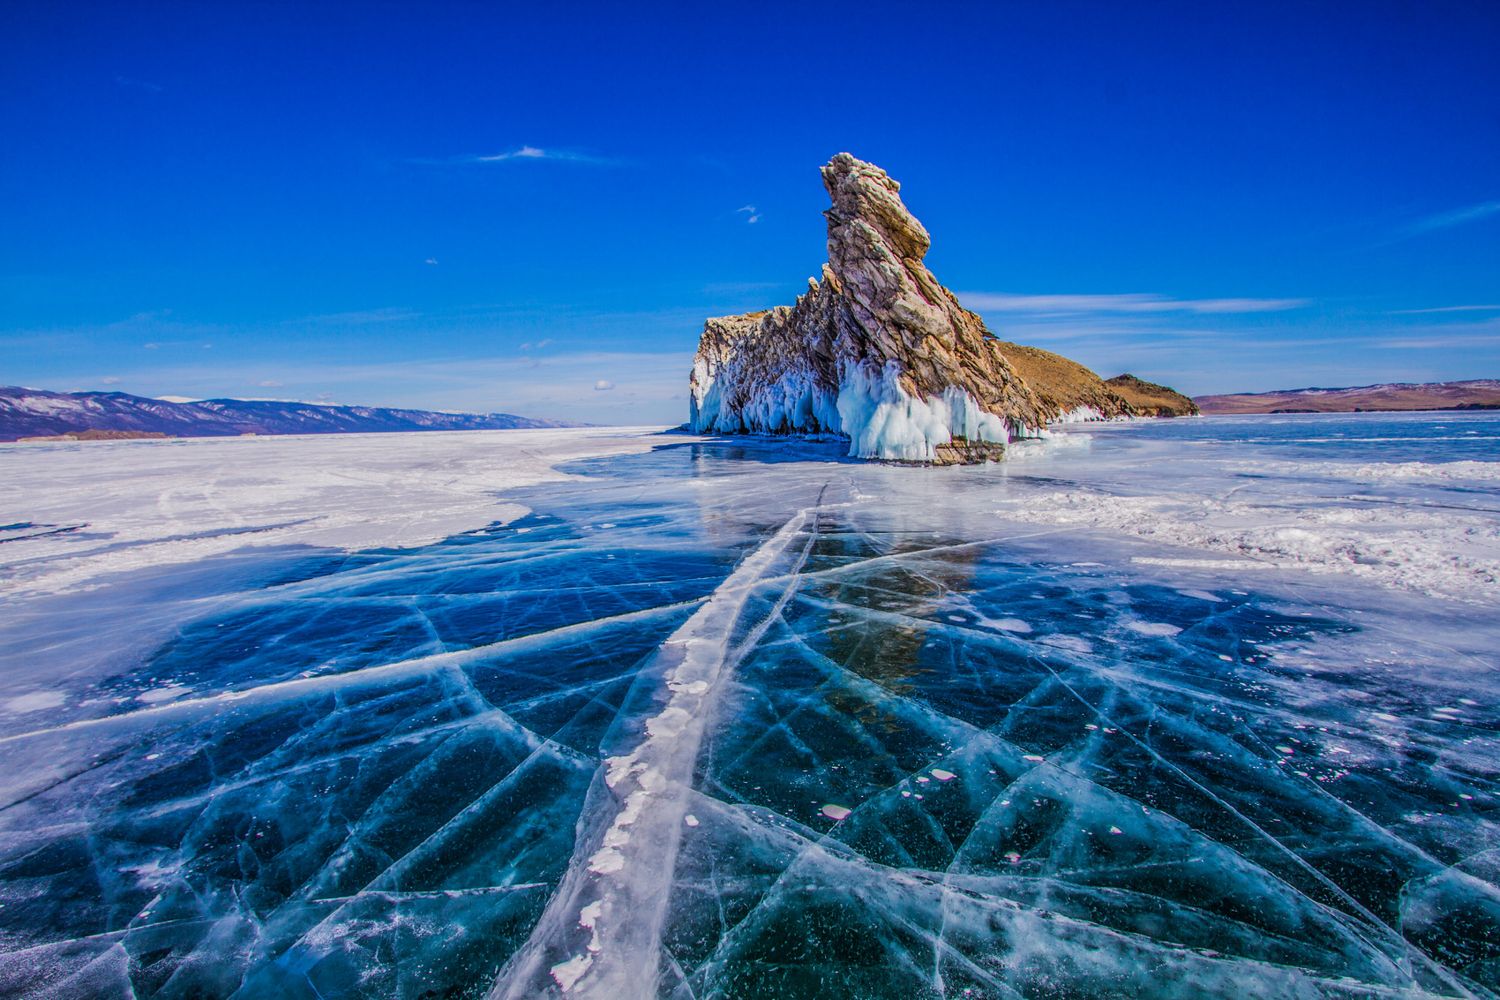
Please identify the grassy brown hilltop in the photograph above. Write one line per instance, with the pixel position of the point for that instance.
(1148, 399)
(98, 435)
(1062, 383)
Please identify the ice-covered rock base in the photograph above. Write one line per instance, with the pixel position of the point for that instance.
(875, 413)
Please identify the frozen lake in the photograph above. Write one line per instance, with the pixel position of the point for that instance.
(1180, 708)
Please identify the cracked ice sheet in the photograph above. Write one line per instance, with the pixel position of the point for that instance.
(950, 752)
(1123, 823)
(80, 511)
(1401, 500)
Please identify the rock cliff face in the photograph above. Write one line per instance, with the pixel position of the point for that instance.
(880, 352)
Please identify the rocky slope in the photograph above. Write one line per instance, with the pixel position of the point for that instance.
(1476, 394)
(878, 351)
(38, 413)
(1147, 399)
(1066, 388)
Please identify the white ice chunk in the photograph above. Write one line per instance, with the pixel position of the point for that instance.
(1153, 628)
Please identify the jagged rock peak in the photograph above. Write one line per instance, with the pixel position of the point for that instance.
(878, 351)
(862, 192)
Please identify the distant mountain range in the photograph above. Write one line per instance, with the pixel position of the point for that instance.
(1478, 394)
(37, 413)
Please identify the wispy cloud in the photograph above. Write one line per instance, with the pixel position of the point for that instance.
(1126, 303)
(752, 214)
(1446, 309)
(603, 385)
(357, 317)
(157, 345)
(1467, 335)
(1445, 220)
(1459, 341)
(523, 154)
(134, 84)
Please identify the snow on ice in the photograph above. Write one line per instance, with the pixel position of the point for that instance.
(76, 511)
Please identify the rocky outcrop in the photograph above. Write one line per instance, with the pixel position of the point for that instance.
(878, 351)
(1147, 399)
(93, 435)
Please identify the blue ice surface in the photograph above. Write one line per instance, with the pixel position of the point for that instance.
(1060, 773)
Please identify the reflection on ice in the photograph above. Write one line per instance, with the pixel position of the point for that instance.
(720, 721)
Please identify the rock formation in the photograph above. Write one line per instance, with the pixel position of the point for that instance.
(880, 352)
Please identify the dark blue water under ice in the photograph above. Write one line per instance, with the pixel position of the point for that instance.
(1060, 773)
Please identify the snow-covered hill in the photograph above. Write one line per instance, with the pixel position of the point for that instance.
(37, 413)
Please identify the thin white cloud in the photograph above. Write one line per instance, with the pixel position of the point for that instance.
(269, 383)
(1437, 342)
(1447, 220)
(1471, 335)
(134, 84)
(1126, 303)
(358, 317)
(529, 154)
(524, 153)
(1446, 309)
(111, 380)
(752, 213)
(603, 385)
(430, 260)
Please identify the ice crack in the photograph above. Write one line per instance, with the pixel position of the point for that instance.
(617, 886)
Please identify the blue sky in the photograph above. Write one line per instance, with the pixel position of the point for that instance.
(531, 208)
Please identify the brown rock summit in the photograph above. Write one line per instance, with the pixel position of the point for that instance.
(880, 352)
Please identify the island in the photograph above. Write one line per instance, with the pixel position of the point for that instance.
(879, 352)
